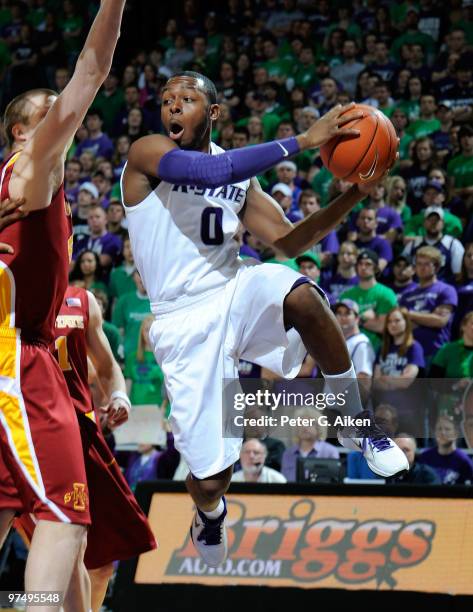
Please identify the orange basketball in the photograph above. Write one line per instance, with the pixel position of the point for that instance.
(366, 157)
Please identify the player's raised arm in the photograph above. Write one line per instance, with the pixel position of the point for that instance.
(159, 157)
(109, 374)
(44, 150)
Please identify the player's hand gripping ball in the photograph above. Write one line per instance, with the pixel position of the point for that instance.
(364, 158)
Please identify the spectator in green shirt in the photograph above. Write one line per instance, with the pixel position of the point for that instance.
(71, 25)
(374, 299)
(129, 312)
(144, 377)
(109, 101)
(109, 329)
(121, 278)
(412, 35)
(427, 123)
(278, 69)
(460, 168)
(434, 195)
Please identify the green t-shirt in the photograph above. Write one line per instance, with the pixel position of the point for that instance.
(452, 225)
(109, 106)
(412, 38)
(461, 169)
(406, 140)
(380, 298)
(411, 108)
(147, 379)
(71, 24)
(115, 340)
(388, 111)
(406, 214)
(129, 312)
(423, 127)
(456, 358)
(321, 184)
(278, 67)
(305, 76)
(290, 263)
(121, 282)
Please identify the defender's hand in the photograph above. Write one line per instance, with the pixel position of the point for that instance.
(116, 413)
(330, 125)
(10, 212)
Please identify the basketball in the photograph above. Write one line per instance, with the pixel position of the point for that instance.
(366, 157)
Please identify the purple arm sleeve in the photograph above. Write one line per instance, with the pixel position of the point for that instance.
(203, 170)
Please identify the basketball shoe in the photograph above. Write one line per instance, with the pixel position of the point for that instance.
(209, 537)
(383, 456)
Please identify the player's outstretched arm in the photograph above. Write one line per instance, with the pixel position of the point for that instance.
(264, 219)
(109, 374)
(159, 157)
(44, 153)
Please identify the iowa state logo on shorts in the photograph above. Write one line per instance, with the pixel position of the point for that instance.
(78, 496)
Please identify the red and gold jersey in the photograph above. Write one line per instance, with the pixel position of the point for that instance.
(34, 279)
(70, 346)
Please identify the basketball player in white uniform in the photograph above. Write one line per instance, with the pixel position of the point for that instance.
(184, 198)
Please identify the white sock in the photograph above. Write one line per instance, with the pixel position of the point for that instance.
(216, 513)
(346, 382)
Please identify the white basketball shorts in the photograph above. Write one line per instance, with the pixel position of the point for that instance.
(198, 346)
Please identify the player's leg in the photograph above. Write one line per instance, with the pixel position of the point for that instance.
(78, 594)
(99, 579)
(309, 313)
(55, 551)
(208, 492)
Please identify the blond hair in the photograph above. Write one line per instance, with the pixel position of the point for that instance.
(18, 111)
(431, 253)
(140, 351)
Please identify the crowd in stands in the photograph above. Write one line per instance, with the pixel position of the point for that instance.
(399, 270)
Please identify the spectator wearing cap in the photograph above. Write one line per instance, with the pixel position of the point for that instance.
(427, 123)
(309, 265)
(398, 363)
(452, 465)
(359, 346)
(335, 282)
(86, 198)
(431, 304)
(309, 203)
(367, 238)
(97, 143)
(460, 168)
(348, 71)
(441, 137)
(286, 172)
(107, 246)
(389, 223)
(464, 289)
(434, 196)
(374, 299)
(403, 275)
(450, 248)
(282, 193)
(419, 473)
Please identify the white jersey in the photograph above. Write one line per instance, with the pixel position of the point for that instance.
(182, 239)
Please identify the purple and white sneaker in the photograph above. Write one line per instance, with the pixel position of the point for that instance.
(209, 537)
(383, 456)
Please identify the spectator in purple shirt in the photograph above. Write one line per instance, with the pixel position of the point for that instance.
(310, 442)
(309, 202)
(431, 304)
(107, 246)
(367, 225)
(335, 282)
(389, 221)
(403, 275)
(464, 290)
(97, 143)
(151, 464)
(452, 465)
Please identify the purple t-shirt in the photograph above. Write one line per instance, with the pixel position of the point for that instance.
(330, 243)
(393, 364)
(335, 284)
(108, 244)
(455, 468)
(387, 218)
(99, 147)
(379, 245)
(426, 300)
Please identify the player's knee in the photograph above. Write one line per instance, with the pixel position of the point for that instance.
(305, 307)
(103, 573)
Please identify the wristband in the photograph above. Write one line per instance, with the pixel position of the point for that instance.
(121, 395)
